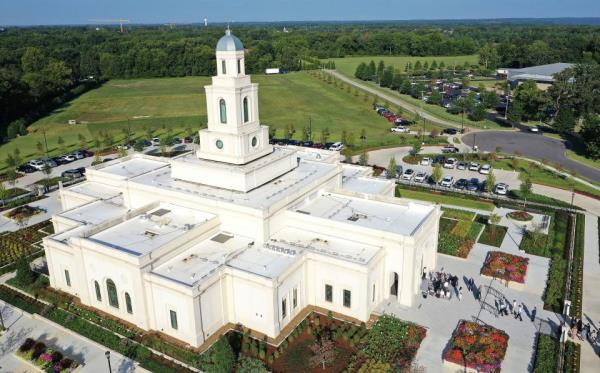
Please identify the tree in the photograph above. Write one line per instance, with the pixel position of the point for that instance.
(525, 188)
(533, 100)
(250, 365)
(363, 160)
(391, 169)
(489, 99)
(40, 148)
(564, 120)
(219, 357)
(380, 70)
(490, 181)
(515, 113)
(437, 175)
(324, 352)
(82, 140)
(362, 71)
(25, 276)
(477, 113)
(61, 143)
(387, 77)
(591, 135)
(372, 70)
(488, 56)
(324, 135)
(494, 220)
(435, 98)
(416, 148)
(16, 128)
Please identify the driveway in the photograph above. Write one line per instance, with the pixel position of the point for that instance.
(532, 146)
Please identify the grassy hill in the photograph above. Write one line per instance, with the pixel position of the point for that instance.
(180, 102)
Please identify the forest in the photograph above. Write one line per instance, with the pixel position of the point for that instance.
(43, 67)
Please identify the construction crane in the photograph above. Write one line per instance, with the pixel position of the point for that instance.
(120, 21)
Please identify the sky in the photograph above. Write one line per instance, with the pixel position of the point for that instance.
(61, 12)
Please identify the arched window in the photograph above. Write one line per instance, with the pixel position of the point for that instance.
(246, 116)
(98, 293)
(111, 289)
(223, 110)
(223, 67)
(128, 303)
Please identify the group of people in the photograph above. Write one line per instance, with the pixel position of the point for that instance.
(503, 305)
(442, 285)
(582, 332)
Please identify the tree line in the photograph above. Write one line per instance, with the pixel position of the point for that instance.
(42, 67)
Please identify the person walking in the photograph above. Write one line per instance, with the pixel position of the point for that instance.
(460, 293)
(518, 312)
(514, 307)
(533, 313)
(479, 292)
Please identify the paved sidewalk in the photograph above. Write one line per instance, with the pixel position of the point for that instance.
(21, 326)
(590, 204)
(590, 362)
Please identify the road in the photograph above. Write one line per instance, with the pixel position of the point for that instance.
(394, 100)
(531, 145)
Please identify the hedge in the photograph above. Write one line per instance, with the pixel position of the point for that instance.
(546, 353)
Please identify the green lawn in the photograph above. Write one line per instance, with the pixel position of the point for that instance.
(347, 65)
(177, 103)
(448, 200)
(581, 159)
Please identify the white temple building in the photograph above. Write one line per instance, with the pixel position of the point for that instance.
(239, 231)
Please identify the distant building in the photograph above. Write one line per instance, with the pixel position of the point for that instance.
(543, 75)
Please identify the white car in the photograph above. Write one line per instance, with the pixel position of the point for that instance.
(534, 129)
(485, 169)
(501, 189)
(408, 174)
(474, 166)
(420, 177)
(338, 146)
(37, 164)
(450, 163)
(69, 157)
(447, 181)
(425, 161)
(155, 141)
(400, 129)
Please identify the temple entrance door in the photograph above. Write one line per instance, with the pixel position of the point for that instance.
(394, 287)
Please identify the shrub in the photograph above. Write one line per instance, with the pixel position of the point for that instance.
(545, 354)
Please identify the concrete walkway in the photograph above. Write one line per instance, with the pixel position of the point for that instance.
(589, 204)
(590, 362)
(22, 325)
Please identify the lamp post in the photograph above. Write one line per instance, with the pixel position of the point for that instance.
(107, 354)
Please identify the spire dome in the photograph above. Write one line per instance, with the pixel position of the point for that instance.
(229, 43)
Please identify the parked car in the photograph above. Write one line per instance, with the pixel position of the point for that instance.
(408, 174)
(420, 177)
(86, 153)
(447, 181)
(425, 161)
(461, 184)
(450, 131)
(534, 129)
(438, 159)
(69, 158)
(107, 160)
(71, 173)
(461, 165)
(307, 144)
(37, 164)
(338, 146)
(400, 129)
(188, 140)
(155, 141)
(474, 166)
(473, 185)
(26, 168)
(60, 160)
(78, 154)
(450, 149)
(485, 169)
(501, 189)
(450, 163)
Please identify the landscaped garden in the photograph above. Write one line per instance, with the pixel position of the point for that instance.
(477, 346)
(45, 358)
(14, 245)
(458, 232)
(493, 235)
(520, 216)
(323, 344)
(22, 212)
(505, 266)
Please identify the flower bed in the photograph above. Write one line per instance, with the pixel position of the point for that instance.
(23, 212)
(45, 358)
(457, 237)
(519, 216)
(509, 267)
(476, 346)
(16, 244)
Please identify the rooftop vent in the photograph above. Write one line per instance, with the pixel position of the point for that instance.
(160, 212)
(303, 212)
(150, 234)
(222, 238)
(356, 217)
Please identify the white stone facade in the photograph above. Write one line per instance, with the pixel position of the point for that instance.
(186, 245)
